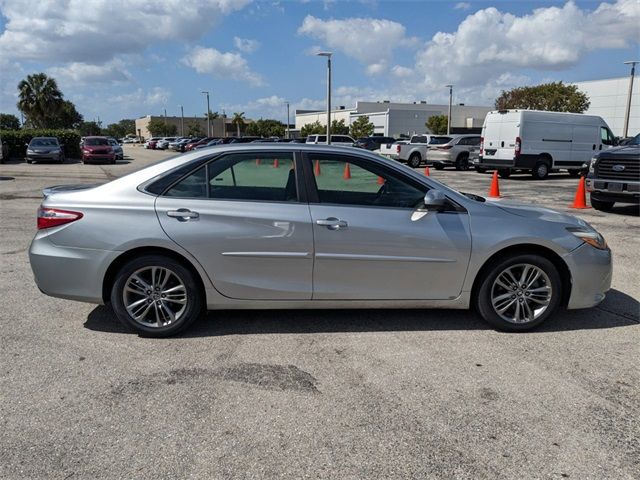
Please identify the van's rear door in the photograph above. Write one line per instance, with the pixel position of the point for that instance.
(500, 132)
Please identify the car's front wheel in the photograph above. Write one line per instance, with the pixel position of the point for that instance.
(519, 293)
(601, 205)
(156, 296)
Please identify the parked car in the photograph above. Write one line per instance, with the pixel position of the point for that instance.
(211, 143)
(152, 142)
(452, 150)
(4, 150)
(374, 142)
(44, 148)
(118, 151)
(206, 230)
(614, 176)
(338, 140)
(164, 142)
(97, 149)
(243, 139)
(413, 152)
(203, 141)
(539, 142)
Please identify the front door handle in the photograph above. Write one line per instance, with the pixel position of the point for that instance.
(182, 214)
(332, 223)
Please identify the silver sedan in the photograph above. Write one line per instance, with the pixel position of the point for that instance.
(293, 226)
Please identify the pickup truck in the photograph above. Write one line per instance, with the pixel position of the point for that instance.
(413, 153)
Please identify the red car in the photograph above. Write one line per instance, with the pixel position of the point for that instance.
(190, 146)
(97, 149)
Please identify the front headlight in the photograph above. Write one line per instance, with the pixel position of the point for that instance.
(592, 237)
(30, 151)
(592, 165)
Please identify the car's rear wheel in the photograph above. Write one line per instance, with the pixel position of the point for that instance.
(156, 296)
(519, 293)
(540, 170)
(414, 160)
(601, 205)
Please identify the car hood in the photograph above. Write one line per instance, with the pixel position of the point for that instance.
(540, 213)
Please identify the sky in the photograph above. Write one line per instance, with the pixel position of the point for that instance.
(120, 59)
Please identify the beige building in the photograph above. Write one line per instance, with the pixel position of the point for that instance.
(220, 127)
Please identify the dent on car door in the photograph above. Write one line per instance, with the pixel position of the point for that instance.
(241, 217)
(372, 243)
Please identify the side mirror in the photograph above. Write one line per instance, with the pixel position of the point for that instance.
(434, 200)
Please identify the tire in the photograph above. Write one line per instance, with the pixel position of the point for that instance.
(481, 169)
(414, 160)
(156, 321)
(438, 166)
(504, 173)
(492, 288)
(462, 162)
(575, 173)
(540, 170)
(602, 205)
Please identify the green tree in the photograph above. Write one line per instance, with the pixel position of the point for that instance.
(120, 129)
(87, 129)
(552, 97)
(437, 124)
(339, 128)
(158, 128)
(65, 116)
(194, 129)
(238, 121)
(9, 122)
(212, 115)
(312, 129)
(39, 99)
(361, 127)
(266, 128)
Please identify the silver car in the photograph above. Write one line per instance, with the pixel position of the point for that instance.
(117, 148)
(258, 226)
(452, 150)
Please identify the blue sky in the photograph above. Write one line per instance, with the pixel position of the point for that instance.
(128, 58)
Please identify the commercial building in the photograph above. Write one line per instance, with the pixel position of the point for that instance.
(609, 100)
(396, 119)
(220, 127)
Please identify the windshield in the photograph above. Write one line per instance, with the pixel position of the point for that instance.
(440, 140)
(636, 140)
(96, 141)
(43, 142)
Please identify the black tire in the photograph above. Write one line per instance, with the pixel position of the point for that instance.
(462, 162)
(483, 300)
(438, 166)
(194, 296)
(575, 173)
(602, 205)
(481, 170)
(540, 170)
(504, 173)
(414, 160)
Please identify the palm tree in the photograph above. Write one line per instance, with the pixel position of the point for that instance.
(39, 99)
(238, 121)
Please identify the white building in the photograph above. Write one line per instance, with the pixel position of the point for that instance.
(395, 119)
(609, 101)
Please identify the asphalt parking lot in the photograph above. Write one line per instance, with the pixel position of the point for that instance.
(315, 394)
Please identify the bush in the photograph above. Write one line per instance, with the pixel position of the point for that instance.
(16, 139)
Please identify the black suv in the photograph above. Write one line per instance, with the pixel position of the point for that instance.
(614, 176)
(373, 143)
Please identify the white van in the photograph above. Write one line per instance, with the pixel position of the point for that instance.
(538, 142)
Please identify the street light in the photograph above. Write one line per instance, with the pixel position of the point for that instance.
(181, 120)
(208, 114)
(328, 55)
(450, 87)
(288, 133)
(628, 111)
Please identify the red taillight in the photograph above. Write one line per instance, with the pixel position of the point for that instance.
(52, 217)
(518, 146)
(446, 147)
(397, 148)
(481, 145)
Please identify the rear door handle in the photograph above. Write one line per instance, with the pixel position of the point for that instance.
(332, 223)
(182, 214)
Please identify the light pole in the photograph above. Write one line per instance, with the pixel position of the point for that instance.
(328, 55)
(288, 133)
(450, 87)
(628, 111)
(208, 115)
(181, 120)
(165, 121)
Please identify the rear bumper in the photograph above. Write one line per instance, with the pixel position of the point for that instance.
(591, 270)
(439, 156)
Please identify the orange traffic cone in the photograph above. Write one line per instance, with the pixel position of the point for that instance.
(494, 191)
(580, 200)
(347, 172)
(257, 161)
(276, 163)
(380, 180)
(316, 170)
(426, 171)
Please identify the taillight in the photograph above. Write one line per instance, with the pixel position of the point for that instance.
(518, 146)
(481, 145)
(446, 147)
(397, 148)
(52, 217)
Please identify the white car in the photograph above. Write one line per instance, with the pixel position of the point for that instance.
(163, 143)
(413, 152)
(339, 140)
(152, 142)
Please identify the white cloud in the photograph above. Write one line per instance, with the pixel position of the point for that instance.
(79, 73)
(246, 45)
(462, 6)
(401, 72)
(368, 40)
(222, 65)
(95, 31)
(157, 96)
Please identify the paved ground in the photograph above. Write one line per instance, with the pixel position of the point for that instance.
(312, 394)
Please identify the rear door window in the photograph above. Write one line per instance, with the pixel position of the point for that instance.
(439, 140)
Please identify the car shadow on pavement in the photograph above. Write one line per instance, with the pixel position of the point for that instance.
(618, 310)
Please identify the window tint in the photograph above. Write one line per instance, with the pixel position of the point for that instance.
(340, 138)
(606, 136)
(242, 176)
(353, 181)
(419, 139)
(439, 140)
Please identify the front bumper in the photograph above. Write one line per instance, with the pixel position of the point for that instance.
(591, 270)
(623, 191)
(43, 156)
(98, 157)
